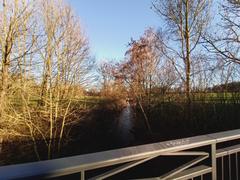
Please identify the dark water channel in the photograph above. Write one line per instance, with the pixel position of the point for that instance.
(124, 126)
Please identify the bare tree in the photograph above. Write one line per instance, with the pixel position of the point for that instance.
(139, 70)
(143, 59)
(14, 26)
(106, 71)
(45, 58)
(186, 21)
(66, 63)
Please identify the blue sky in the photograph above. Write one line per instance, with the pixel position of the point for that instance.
(110, 24)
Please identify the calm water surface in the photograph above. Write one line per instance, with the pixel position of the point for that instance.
(125, 125)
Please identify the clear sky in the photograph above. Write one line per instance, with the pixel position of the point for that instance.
(110, 24)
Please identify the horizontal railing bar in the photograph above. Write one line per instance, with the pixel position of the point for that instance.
(135, 163)
(228, 151)
(221, 153)
(75, 164)
(186, 153)
(185, 166)
(225, 135)
(121, 169)
(193, 172)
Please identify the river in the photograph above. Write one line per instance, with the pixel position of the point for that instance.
(125, 125)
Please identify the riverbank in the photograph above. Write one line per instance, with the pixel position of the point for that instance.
(174, 120)
(92, 131)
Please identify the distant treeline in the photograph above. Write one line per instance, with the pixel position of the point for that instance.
(228, 87)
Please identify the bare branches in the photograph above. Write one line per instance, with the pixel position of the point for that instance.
(187, 21)
(226, 43)
(45, 61)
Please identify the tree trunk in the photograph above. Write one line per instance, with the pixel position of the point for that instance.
(187, 60)
(4, 85)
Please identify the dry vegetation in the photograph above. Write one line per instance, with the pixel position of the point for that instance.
(45, 65)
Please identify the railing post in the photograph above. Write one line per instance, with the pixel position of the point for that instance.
(82, 175)
(214, 161)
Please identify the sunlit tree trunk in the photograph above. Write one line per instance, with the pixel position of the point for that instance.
(188, 60)
(5, 62)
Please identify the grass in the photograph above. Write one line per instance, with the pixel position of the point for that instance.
(222, 97)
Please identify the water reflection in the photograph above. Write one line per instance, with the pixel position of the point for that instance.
(125, 126)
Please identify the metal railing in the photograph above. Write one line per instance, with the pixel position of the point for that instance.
(208, 162)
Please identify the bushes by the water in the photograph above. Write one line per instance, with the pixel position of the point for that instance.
(174, 120)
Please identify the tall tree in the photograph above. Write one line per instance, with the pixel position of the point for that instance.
(186, 21)
(14, 26)
(139, 71)
(66, 63)
(143, 58)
